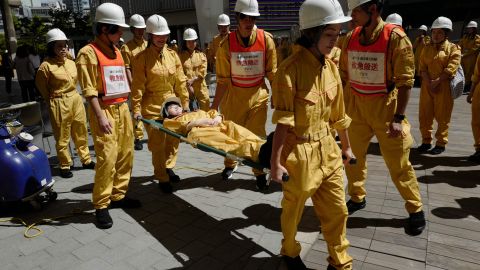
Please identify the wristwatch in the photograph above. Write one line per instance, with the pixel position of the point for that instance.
(398, 118)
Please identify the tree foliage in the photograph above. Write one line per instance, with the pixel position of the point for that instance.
(31, 32)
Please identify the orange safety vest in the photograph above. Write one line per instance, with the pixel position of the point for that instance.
(115, 85)
(247, 64)
(367, 64)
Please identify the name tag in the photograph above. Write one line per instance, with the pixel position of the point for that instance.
(366, 67)
(116, 84)
(247, 64)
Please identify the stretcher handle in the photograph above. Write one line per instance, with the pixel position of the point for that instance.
(352, 161)
(285, 177)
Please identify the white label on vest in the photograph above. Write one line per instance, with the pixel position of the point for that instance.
(247, 64)
(116, 83)
(367, 68)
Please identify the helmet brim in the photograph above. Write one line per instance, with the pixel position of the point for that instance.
(252, 14)
(160, 33)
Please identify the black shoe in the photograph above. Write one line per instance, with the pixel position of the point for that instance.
(265, 152)
(172, 176)
(475, 157)
(424, 147)
(262, 182)
(66, 173)
(90, 165)
(330, 267)
(437, 150)
(125, 203)
(354, 206)
(228, 172)
(294, 263)
(104, 220)
(138, 145)
(415, 224)
(166, 187)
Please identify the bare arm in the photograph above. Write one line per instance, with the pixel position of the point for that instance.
(103, 122)
(277, 170)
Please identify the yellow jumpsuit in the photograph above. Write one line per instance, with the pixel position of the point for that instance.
(213, 48)
(307, 96)
(335, 55)
(227, 136)
(470, 45)
(114, 151)
(195, 66)
(129, 51)
(245, 106)
(156, 77)
(56, 80)
(435, 60)
(476, 106)
(371, 116)
(421, 43)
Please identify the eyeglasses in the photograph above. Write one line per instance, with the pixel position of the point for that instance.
(243, 17)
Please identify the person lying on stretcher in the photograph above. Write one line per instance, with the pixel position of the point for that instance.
(209, 128)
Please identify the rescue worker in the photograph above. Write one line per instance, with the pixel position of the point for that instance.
(420, 42)
(194, 64)
(133, 47)
(307, 94)
(56, 80)
(158, 75)
(101, 73)
(245, 57)
(474, 99)
(470, 45)
(438, 64)
(223, 26)
(377, 67)
(395, 19)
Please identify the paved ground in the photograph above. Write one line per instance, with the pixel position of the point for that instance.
(211, 224)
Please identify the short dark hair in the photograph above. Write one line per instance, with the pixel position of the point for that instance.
(111, 28)
(51, 49)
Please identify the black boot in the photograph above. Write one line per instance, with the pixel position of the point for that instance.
(174, 178)
(424, 147)
(166, 187)
(354, 206)
(90, 165)
(104, 220)
(138, 145)
(415, 224)
(262, 182)
(294, 263)
(66, 173)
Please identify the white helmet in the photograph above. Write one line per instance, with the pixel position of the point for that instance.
(442, 22)
(472, 24)
(394, 18)
(223, 19)
(247, 7)
(111, 14)
(190, 34)
(157, 25)
(122, 40)
(137, 21)
(321, 12)
(352, 4)
(173, 41)
(423, 28)
(55, 34)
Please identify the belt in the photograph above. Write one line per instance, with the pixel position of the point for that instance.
(61, 95)
(314, 137)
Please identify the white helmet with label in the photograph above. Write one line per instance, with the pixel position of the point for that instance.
(110, 13)
(442, 22)
(321, 12)
(223, 19)
(472, 24)
(55, 34)
(394, 18)
(137, 21)
(352, 4)
(190, 34)
(157, 25)
(423, 28)
(247, 7)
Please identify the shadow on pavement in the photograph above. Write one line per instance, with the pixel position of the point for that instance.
(361, 222)
(461, 179)
(468, 206)
(428, 161)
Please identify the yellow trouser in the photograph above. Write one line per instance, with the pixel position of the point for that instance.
(315, 170)
(476, 117)
(203, 98)
(395, 151)
(138, 129)
(114, 155)
(246, 107)
(437, 106)
(229, 137)
(164, 150)
(67, 115)
(468, 65)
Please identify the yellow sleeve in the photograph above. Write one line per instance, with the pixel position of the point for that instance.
(271, 65)
(176, 125)
(139, 78)
(422, 66)
(87, 68)
(41, 80)
(126, 55)
(283, 94)
(453, 60)
(402, 61)
(476, 71)
(202, 71)
(181, 82)
(343, 62)
(338, 118)
(222, 64)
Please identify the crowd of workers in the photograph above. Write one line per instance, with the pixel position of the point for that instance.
(357, 86)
